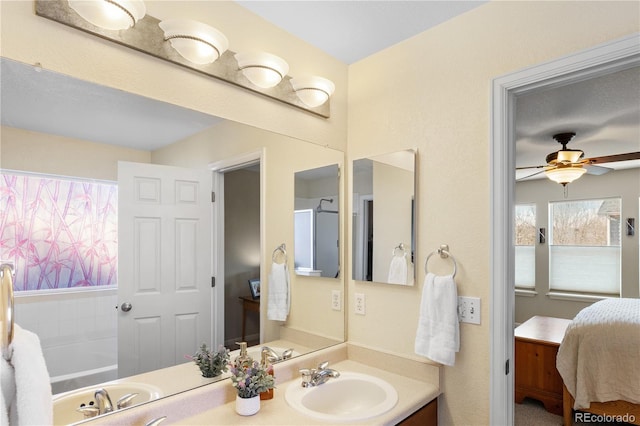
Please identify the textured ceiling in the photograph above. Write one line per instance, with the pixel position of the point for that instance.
(603, 112)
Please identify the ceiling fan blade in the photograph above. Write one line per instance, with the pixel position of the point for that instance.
(613, 158)
(528, 176)
(530, 167)
(596, 170)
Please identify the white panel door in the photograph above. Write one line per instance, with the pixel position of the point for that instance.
(164, 265)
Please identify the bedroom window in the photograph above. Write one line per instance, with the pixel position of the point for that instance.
(584, 249)
(525, 240)
(60, 232)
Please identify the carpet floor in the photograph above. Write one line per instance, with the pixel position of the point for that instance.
(532, 413)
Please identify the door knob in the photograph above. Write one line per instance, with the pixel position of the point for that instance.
(126, 307)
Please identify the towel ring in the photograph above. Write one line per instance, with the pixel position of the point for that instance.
(443, 251)
(281, 249)
(399, 247)
(6, 290)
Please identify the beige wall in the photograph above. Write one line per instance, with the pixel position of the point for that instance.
(43, 153)
(622, 183)
(433, 92)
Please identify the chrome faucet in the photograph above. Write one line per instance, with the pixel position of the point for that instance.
(103, 404)
(273, 355)
(103, 401)
(317, 376)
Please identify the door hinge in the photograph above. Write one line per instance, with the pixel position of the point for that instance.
(213, 281)
(213, 197)
(506, 368)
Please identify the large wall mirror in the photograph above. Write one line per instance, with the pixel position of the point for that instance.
(384, 218)
(317, 222)
(78, 328)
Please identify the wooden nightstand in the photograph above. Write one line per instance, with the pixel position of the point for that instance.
(537, 342)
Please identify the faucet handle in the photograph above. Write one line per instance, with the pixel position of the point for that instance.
(307, 376)
(323, 365)
(88, 411)
(125, 400)
(156, 422)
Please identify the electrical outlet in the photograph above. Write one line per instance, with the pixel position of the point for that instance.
(469, 309)
(360, 305)
(336, 302)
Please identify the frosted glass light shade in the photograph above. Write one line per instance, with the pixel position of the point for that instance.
(196, 42)
(262, 69)
(110, 14)
(565, 175)
(569, 156)
(313, 90)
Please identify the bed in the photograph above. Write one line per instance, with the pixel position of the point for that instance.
(599, 362)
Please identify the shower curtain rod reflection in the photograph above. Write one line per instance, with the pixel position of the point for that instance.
(319, 209)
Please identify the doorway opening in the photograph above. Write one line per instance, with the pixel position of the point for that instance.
(237, 213)
(599, 60)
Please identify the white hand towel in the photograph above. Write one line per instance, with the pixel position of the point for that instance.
(278, 292)
(7, 391)
(398, 270)
(32, 403)
(438, 334)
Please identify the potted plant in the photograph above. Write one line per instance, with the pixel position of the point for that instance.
(250, 380)
(211, 363)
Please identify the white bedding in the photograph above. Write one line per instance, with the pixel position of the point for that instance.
(599, 357)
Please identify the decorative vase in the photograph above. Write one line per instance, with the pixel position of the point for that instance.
(247, 406)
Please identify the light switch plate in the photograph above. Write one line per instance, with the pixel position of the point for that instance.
(360, 304)
(469, 309)
(336, 300)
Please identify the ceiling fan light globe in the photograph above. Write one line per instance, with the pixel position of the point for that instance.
(565, 175)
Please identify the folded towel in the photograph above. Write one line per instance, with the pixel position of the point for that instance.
(438, 334)
(26, 394)
(278, 292)
(398, 270)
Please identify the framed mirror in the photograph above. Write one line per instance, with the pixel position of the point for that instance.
(317, 222)
(384, 218)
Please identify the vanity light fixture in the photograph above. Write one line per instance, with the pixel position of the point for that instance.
(262, 69)
(195, 46)
(110, 14)
(196, 42)
(313, 90)
(565, 175)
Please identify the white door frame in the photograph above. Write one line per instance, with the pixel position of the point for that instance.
(218, 169)
(598, 60)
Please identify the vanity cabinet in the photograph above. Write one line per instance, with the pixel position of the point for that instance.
(426, 416)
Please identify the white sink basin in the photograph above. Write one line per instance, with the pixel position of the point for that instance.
(65, 404)
(348, 398)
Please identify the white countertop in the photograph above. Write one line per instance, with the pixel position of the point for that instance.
(416, 381)
(412, 395)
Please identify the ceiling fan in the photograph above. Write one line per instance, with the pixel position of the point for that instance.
(566, 165)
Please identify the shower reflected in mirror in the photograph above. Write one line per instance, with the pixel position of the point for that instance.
(317, 222)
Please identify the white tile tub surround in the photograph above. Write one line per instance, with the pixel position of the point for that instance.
(417, 384)
(77, 331)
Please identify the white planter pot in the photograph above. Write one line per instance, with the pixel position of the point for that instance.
(247, 406)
